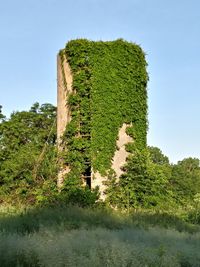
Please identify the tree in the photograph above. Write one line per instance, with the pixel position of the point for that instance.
(1, 115)
(157, 156)
(145, 182)
(186, 179)
(27, 152)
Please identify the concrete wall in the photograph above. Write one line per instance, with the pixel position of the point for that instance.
(63, 112)
(64, 86)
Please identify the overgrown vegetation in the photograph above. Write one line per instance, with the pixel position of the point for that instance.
(109, 89)
(28, 161)
(85, 237)
(28, 155)
(144, 184)
(158, 203)
(149, 182)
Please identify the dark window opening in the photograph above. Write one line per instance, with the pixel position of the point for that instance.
(87, 175)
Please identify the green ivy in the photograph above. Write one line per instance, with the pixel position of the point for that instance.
(109, 89)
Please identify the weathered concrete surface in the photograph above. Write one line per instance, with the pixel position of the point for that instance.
(118, 161)
(99, 180)
(121, 154)
(64, 86)
(63, 112)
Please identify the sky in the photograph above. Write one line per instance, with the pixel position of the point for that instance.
(33, 31)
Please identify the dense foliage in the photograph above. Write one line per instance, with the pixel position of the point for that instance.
(28, 154)
(29, 161)
(185, 180)
(1, 115)
(149, 181)
(145, 182)
(109, 89)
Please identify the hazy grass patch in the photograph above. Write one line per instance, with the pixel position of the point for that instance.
(79, 237)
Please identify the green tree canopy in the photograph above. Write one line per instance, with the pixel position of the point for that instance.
(1, 115)
(23, 139)
(186, 179)
(157, 156)
(145, 182)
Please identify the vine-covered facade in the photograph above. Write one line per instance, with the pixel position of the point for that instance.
(105, 107)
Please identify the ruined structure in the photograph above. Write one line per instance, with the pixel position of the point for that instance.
(102, 109)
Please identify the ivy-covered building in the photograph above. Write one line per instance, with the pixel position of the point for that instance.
(102, 109)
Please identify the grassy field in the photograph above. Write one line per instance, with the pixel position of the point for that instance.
(72, 236)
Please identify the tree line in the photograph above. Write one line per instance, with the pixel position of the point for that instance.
(29, 166)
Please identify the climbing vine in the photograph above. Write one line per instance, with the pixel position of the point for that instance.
(109, 89)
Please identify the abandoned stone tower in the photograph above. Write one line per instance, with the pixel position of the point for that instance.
(102, 109)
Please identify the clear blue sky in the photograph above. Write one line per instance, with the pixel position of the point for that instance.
(33, 31)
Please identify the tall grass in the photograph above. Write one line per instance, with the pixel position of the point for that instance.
(23, 220)
(81, 237)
